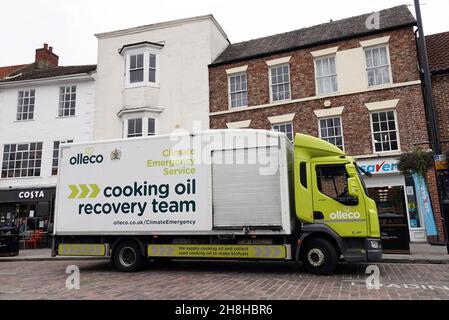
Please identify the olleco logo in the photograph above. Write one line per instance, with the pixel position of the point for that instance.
(80, 159)
(344, 215)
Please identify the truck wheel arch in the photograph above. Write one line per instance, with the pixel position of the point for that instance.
(142, 245)
(323, 232)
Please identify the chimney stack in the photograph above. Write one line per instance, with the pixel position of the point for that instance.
(45, 57)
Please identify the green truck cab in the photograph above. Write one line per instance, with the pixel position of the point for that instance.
(341, 220)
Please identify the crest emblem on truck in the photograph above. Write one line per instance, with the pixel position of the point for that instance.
(116, 154)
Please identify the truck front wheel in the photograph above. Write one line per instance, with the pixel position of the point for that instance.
(319, 256)
(126, 257)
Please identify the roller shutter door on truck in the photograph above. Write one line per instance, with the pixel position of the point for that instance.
(242, 196)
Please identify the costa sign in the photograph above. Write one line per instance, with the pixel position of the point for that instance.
(380, 166)
(27, 195)
(34, 194)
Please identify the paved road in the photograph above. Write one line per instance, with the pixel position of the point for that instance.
(219, 280)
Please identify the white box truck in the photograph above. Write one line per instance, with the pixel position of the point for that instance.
(220, 194)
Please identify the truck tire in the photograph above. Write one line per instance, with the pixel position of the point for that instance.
(319, 257)
(127, 257)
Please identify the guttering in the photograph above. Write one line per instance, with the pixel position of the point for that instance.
(311, 45)
(73, 77)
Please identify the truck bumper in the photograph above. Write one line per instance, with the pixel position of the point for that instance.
(370, 251)
(373, 249)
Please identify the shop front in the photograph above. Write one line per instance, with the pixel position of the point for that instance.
(397, 199)
(31, 210)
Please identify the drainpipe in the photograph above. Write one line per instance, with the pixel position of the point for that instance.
(432, 118)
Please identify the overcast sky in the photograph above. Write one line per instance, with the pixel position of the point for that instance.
(69, 25)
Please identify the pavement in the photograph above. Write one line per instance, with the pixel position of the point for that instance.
(419, 253)
(220, 280)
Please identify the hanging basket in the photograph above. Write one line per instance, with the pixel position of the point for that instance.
(416, 161)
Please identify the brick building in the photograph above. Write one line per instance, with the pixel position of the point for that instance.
(438, 52)
(350, 83)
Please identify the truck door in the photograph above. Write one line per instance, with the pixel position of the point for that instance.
(333, 205)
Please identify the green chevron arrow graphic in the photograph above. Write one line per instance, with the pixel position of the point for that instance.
(84, 191)
(95, 191)
(81, 191)
(74, 190)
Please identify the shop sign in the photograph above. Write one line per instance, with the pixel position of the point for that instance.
(27, 195)
(33, 194)
(441, 162)
(380, 166)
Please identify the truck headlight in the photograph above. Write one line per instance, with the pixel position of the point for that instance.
(374, 244)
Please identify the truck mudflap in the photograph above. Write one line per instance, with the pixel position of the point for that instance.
(258, 252)
(81, 249)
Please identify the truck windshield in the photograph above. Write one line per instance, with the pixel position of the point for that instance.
(362, 180)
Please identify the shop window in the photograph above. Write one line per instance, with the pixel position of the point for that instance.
(413, 211)
(22, 160)
(332, 181)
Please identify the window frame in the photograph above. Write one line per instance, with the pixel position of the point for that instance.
(390, 72)
(284, 123)
(64, 101)
(270, 70)
(319, 184)
(397, 131)
(148, 127)
(53, 167)
(21, 113)
(145, 123)
(146, 67)
(341, 128)
(134, 135)
(28, 160)
(230, 107)
(328, 76)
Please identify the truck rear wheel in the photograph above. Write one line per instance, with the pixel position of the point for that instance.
(126, 257)
(319, 257)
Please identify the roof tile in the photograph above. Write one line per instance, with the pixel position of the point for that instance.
(438, 51)
(31, 72)
(351, 27)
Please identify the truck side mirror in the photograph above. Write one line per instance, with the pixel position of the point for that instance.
(353, 188)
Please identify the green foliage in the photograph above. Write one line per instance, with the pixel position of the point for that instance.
(417, 161)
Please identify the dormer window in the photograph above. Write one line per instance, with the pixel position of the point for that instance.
(141, 64)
